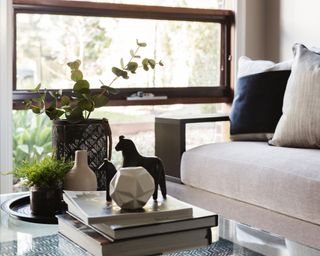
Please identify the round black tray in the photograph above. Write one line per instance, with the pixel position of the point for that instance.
(19, 208)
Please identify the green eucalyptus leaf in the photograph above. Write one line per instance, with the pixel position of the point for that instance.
(145, 64)
(81, 86)
(122, 63)
(53, 105)
(37, 88)
(125, 75)
(76, 75)
(117, 71)
(75, 114)
(152, 63)
(145, 61)
(100, 100)
(38, 100)
(86, 105)
(65, 100)
(54, 113)
(112, 90)
(74, 65)
(36, 109)
(141, 44)
(145, 67)
(133, 55)
(59, 112)
(109, 89)
(132, 67)
(86, 96)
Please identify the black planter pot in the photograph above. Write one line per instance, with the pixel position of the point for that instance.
(93, 135)
(45, 201)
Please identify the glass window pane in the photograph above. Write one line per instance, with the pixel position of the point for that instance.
(32, 138)
(137, 123)
(45, 43)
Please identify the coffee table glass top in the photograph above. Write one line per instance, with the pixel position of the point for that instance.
(19, 237)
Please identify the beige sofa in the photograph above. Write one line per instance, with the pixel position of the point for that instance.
(276, 189)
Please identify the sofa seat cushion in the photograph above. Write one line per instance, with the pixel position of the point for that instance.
(285, 180)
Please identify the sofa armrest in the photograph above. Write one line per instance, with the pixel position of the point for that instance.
(170, 139)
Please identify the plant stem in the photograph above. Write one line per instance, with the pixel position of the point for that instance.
(88, 115)
(124, 69)
(105, 90)
(136, 51)
(114, 79)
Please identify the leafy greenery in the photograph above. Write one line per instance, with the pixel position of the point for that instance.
(45, 174)
(31, 137)
(83, 101)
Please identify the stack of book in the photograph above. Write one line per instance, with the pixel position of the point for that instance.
(102, 228)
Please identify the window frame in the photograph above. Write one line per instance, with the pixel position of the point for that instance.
(213, 94)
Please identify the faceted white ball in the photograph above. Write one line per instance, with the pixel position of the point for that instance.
(131, 187)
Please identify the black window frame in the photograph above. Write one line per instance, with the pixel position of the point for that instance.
(214, 94)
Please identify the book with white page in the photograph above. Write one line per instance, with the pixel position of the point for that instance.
(91, 207)
(97, 244)
(129, 229)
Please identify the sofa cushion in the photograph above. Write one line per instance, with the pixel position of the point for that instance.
(285, 180)
(247, 66)
(252, 116)
(299, 124)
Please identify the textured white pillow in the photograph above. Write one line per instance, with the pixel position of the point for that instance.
(247, 66)
(299, 125)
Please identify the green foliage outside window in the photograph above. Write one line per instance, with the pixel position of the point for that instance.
(31, 137)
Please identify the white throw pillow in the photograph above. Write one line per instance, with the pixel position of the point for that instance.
(247, 66)
(299, 125)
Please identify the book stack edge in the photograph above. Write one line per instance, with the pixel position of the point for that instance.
(104, 229)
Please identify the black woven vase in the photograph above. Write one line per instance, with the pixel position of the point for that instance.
(93, 135)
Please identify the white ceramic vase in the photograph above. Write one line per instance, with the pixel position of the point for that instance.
(131, 187)
(80, 177)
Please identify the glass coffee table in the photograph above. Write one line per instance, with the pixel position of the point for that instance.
(18, 237)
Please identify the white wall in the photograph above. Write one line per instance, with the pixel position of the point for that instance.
(250, 28)
(255, 32)
(269, 28)
(6, 94)
(289, 22)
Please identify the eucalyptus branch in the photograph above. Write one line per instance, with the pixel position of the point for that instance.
(114, 79)
(132, 57)
(80, 105)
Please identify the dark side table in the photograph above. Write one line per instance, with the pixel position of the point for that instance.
(170, 139)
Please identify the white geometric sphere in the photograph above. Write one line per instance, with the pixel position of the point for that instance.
(131, 187)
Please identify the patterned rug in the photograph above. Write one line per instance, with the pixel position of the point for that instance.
(56, 245)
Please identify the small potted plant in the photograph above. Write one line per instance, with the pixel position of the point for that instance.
(73, 129)
(45, 179)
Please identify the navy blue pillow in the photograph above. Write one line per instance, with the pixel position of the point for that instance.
(257, 105)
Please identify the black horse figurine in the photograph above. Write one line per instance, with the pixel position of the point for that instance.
(153, 165)
(109, 170)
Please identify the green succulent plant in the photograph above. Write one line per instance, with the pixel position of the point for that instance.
(83, 100)
(46, 173)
